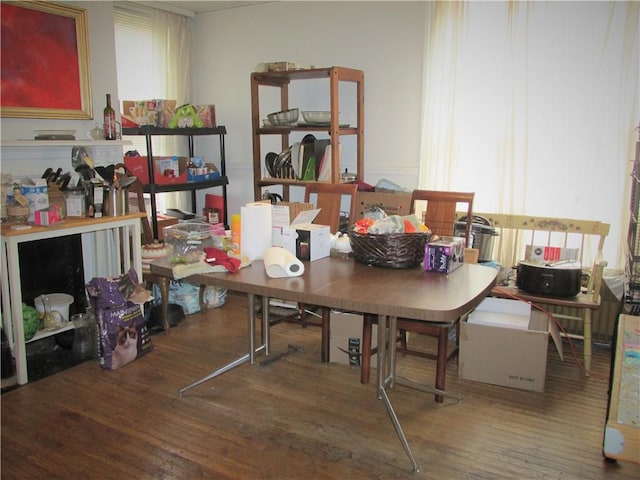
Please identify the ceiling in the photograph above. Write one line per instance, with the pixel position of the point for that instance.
(192, 8)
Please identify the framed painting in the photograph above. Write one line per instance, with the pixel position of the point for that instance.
(45, 61)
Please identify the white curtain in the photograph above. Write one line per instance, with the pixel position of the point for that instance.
(154, 61)
(534, 106)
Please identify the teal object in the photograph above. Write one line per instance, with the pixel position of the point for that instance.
(30, 320)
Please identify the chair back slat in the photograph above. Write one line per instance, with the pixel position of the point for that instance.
(328, 198)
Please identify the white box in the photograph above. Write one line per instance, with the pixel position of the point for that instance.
(505, 342)
(346, 338)
(307, 241)
(281, 218)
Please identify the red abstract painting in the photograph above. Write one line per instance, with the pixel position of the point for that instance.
(41, 66)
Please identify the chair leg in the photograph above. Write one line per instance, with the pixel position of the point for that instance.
(203, 305)
(403, 340)
(302, 313)
(163, 284)
(326, 334)
(365, 363)
(441, 363)
(587, 342)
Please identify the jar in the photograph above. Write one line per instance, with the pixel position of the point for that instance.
(85, 335)
(18, 213)
(75, 203)
(57, 198)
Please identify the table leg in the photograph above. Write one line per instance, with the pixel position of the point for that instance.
(386, 354)
(250, 356)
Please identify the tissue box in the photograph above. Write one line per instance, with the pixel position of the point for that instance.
(444, 255)
(307, 241)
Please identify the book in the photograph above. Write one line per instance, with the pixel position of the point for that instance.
(319, 147)
(324, 167)
(309, 169)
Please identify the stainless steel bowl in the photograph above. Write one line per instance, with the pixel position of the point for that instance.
(316, 116)
(285, 117)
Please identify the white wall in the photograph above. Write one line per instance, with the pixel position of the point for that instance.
(384, 39)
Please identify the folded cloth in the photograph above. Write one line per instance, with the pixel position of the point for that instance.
(216, 256)
(183, 270)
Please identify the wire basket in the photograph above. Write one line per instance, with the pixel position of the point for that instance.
(389, 250)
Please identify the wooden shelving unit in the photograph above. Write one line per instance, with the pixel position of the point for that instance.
(334, 131)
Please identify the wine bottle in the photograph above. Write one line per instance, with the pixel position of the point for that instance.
(109, 120)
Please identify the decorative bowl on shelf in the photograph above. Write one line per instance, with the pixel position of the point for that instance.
(316, 117)
(285, 117)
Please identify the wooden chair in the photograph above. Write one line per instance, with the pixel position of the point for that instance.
(328, 198)
(440, 217)
(517, 233)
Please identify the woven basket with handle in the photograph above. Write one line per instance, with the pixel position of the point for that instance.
(389, 250)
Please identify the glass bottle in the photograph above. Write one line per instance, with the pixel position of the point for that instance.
(109, 120)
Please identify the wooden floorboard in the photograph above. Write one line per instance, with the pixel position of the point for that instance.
(296, 418)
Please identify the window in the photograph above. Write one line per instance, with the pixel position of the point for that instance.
(151, 64)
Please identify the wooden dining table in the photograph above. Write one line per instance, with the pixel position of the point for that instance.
(345, 284)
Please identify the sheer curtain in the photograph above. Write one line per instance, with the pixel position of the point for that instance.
(153, 54)
(534, 106)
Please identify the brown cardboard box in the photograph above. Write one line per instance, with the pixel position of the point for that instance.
(346, 338)
(392, 203)
(504, 342)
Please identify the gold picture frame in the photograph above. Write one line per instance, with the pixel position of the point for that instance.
(45, 61)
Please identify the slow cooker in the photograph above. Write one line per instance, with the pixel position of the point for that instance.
(559, 279)
(482, 236)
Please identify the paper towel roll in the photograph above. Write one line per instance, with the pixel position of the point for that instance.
(279, 262)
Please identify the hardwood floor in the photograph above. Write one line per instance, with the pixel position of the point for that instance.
(296, 418)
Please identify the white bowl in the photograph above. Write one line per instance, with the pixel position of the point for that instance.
(316, 116)
(59, 302)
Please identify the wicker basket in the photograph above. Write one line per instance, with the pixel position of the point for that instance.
(390, 250)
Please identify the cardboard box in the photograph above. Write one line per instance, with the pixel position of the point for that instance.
(136, 113)
(546, 253)
(307, 241)
(138, 167)
(346, 338)
(392, 203)
(156, 112)
(170, 170)
(284, 214)
(165, 110)
(444, 255)
(207, 113)
(504, 342)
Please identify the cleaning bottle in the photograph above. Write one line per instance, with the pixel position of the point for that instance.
(235, 233)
